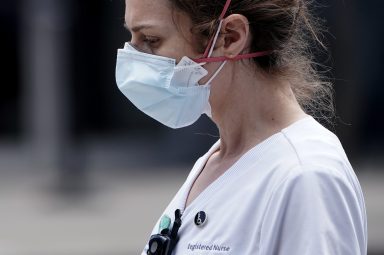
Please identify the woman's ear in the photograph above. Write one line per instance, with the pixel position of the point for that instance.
(235, 35)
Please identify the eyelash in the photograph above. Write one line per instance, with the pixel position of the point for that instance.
(150, 40)
(146, 43)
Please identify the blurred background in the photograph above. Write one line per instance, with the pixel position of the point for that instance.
(83, 172)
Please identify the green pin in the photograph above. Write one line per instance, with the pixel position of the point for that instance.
(165, 223)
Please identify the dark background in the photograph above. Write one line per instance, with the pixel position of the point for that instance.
(94, 30)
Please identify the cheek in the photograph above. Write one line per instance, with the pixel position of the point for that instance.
(178, 43)
(176, 48)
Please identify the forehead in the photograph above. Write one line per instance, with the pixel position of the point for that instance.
(147, 12)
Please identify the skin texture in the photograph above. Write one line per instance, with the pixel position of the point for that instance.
(247, 106)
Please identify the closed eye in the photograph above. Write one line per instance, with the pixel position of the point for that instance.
(150, 39)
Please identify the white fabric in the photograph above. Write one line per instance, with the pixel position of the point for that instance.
(295, 193)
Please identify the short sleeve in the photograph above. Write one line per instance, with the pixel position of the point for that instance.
(313, 211)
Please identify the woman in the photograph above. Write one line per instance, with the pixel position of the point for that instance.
(276, 182)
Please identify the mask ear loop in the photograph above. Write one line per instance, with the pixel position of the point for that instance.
(209, 48)
(211, 51)
(216, 73)
(208, 51)
(212, 46)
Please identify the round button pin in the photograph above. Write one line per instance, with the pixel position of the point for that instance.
(200, 218)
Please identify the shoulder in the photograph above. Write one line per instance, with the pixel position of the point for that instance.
(317, 188)
(312, 179)
(312, 144)
(306, 150)
(308, 137)
(315, 209)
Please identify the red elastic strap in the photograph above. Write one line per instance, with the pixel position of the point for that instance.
(206, 52)
(238, 57)
(207, 59)
(225, 9)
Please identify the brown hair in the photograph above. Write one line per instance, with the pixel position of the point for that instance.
(285, 26)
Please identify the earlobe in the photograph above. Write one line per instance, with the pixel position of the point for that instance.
(235, 35)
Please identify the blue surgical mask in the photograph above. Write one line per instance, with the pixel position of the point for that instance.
(167, 92)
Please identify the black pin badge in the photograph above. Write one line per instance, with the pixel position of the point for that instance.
(201, 218)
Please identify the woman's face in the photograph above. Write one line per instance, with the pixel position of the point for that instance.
(159, 30)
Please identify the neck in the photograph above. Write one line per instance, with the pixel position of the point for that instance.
(255, 110)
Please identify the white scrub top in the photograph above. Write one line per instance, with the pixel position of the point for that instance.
(293, 194)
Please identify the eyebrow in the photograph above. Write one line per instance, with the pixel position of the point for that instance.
(137, 28)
